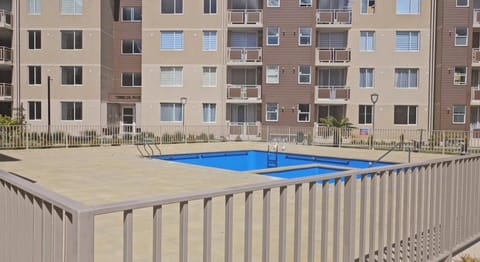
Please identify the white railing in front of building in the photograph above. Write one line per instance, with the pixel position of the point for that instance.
(244, 92)
(5, 18)
(248, 17)
(244, 54)
(332, 55)
(5, 91)
(334, 16)
(332, 92)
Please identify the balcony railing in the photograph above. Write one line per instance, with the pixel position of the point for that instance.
(334, 17)
(5, 19)
(244, 54)
(5, 54)
(244, 92)
(247, 17)
(5, 91)
(475, 55)
(476, 95)
(476, 18)
(332, 93)
(333, 55)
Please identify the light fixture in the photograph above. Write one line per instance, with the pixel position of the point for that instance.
(183, 100)
(282, 108)
(374, 99)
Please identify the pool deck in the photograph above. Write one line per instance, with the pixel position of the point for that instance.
(101, 175)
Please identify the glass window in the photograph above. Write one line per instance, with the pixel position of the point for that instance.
(273, 3)
(407, 41)
(406, 78)
(171, 112)
(132, 14)
(367, 6)
(459, 114)
(72, 75)
(132, 46)
(34, 7)
(34, 39)
(209, 113)
(172, 6)
(71, 7)
(171, 40)
(462, 3)
(171, 76)
(305, 36)
(209, 6)
(460, 75)
(303, 113)
(408, 7)
(365, 114)
(304, 74)
(209, 76)
(272, 112)
(131, 79)
(366, 78)
(34, 110)
(273, 36)
(272, 74)
(367, 41)
(72, 39)
(461, 36)
(305, 3)
(72, 111)
(209, 40)
(405, 115)
(34, 75)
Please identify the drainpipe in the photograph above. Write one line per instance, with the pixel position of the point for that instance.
(432, 61)
(16, 27)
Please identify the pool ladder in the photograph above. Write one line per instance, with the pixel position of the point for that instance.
(272, 156)
(148, 150)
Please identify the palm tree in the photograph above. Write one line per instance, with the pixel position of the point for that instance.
(337, 125)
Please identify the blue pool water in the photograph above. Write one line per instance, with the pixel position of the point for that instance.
(253, 160)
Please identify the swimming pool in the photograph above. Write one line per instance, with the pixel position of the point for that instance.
(252, 160)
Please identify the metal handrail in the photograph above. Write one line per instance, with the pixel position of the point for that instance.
(400, 144)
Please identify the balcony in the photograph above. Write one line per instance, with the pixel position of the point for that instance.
(332, 56)
(244, 93)
(332, 94)
(6, 92)
(5, 55)
(475, 56)
(250, 18)
(476, 18)
(475, 100)
(5, 19)
(244, 56)
(334, 18)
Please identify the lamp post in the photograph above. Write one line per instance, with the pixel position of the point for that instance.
(48, 104)
(183, 100)
(374, 99)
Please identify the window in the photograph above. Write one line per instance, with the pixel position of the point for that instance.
(209, 6)
(305, 36)
(408, 7)
(304, 74)
(272, 112)
(406, 78)
(461, 36)
(171, 40)
(209, 40)
(172, 6)
(209, 76)
(273, 3)
(71, 39)
(460, 76)
(34, 75)
(131, 79)
(462, 3)
(132, 46)
(367, 7)
(34, 110)
(405, 115)
(272, 74)
(209, 113)
(366, 78)
(364, 114)
(303, 113)
(71, 111)
(171, 112)
(132, 14)
(407, 41)
(72, 75)
(273, 35)
(458, 114)
(35, 39)
(305, 3)
(71, 7)
(171, 76)
(367, 41)
(34, 7)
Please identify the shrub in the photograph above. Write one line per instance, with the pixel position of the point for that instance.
(202, 137)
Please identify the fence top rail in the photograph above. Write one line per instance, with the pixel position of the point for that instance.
(205, 194)
(53, 198)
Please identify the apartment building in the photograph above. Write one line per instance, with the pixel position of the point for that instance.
(242, 63)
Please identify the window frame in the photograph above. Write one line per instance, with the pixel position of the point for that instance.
(275, 36)
(76, 34)
(132, 14)
(268, 4)
(173, 111)
(36, 70)
(209, 34)
(460, 75)
(133, 46)
(464, 114)
(300, 36)
(37, 7)
(37, 44)
(175, 47)
(133, 76)
(210, 7)
(409, 41)
(360, 77)
(409, 72)
(174, 8)
(410, 8)
(369, 35)
(457, 37)
(300, 74)
(73, 67)
(368, 9)
(466, 5)
(408, 115)
(272, 67)
(209, 68)
(74, 103)
(174, 73)
(209, 107)
(363, 112)
(75, 8)
(299, 112)
(37, 110)
(270, 112)
(305, 5)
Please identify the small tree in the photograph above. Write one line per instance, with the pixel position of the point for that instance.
(337, 124)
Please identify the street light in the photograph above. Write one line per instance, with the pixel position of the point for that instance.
(183, 100)
(48, 104)
(374, 99)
